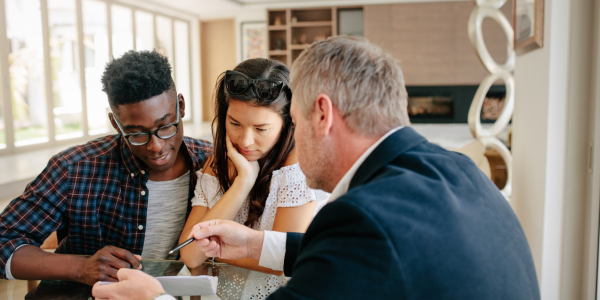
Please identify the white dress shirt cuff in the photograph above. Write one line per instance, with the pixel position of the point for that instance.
(272, 255)
(7, 266)
(165, 297)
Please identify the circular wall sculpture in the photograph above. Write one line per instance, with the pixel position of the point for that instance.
(489, 137)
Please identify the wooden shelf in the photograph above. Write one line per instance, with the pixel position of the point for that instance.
(298, 47)
(312, 24)
(277, 52)
(277, 27)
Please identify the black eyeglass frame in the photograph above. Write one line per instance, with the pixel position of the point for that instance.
(154, 132)
(253, 82)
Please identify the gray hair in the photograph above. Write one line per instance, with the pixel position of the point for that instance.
(364, 83)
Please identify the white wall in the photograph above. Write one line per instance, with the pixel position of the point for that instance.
(593, 182)
(530, 133)
(250, 15)
(550, 147)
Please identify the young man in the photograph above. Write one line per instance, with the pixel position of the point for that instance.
(116, 197)
(406, 219)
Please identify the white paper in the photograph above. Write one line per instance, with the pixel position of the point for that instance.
(189, 285)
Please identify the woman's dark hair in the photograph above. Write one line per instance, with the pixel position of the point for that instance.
(256, 68)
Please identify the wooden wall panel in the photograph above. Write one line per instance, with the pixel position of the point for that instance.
(378, 27)
(431, 40)
(217, 54)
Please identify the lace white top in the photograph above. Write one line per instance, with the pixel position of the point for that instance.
(288, 189)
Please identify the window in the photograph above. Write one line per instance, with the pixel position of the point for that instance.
(53, 54)
(64, 69)
(122, 31)
(144, 26)
(2, 124)
(95, 43)
(164, 35)
(182, 65)
(27, 71)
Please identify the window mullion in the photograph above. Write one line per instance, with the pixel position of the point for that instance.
(81, 53)
(48, 72)
(134, 29)
(191, 101)
(109, 30)
(174, 65)
(155, 33)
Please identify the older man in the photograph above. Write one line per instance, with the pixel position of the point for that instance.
(406, 219)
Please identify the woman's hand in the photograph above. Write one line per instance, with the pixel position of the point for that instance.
(247, 171)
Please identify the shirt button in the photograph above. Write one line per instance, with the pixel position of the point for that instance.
(143, 193)
(143, 172)
(132, 175)
(140, 227)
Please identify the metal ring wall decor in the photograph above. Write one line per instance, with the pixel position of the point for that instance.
(474, 119)
(476, 37)
(496, 4)
(497, 145)
(482, 10)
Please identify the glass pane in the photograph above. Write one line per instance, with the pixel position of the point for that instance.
(2, 118)
(182, 67)
(164, 34)
(144, 29)
(26, 69)
(64, 61)
(95, 41)
(122, 36)
(2, 124)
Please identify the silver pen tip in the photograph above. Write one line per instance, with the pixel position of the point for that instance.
(170, 252)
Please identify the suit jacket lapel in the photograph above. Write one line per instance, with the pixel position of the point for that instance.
(394, 145)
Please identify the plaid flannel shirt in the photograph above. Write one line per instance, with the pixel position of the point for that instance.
(92, 195)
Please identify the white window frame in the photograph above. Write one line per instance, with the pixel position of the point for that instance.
(5, 82)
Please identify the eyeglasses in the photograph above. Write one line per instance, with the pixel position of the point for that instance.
(266, 89)
(142, 138)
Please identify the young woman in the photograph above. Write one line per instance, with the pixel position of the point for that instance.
(253, 176)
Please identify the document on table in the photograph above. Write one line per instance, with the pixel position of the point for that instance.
(189, 285)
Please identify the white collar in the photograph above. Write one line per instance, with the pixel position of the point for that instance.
(342, 187)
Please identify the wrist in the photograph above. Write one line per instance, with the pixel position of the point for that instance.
(255, 244)
(245, 182)
(77, 272)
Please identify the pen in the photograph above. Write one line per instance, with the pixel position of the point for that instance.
(182, 245)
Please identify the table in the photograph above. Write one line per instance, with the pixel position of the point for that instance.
(232, 282)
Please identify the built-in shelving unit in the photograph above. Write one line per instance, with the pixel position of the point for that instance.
(291, 30)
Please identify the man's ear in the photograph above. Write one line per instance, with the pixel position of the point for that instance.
(322, 115)
(181, 106)
(113, 123)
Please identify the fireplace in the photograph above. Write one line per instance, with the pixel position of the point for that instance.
(450, 104)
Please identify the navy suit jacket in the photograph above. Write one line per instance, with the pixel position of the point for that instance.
(418, 222)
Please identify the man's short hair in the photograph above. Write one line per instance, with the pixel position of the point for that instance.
(137, 76)
(364, 83)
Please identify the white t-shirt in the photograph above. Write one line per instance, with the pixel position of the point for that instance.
(165, 217)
